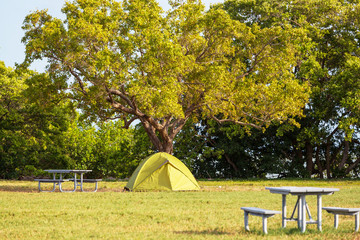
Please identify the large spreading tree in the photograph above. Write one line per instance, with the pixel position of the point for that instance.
(131, 60)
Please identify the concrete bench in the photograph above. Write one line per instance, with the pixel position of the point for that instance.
(54, 181)
(344, 211)
(89, 181)
(264, 213)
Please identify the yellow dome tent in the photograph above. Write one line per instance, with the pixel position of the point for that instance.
(162, 171)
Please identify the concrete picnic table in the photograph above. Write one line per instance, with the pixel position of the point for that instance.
(301, 204)
(58, 181)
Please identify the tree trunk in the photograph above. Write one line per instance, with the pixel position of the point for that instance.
(231, 163)
(298, 155)
(345, 156)
(328, 160)
(160, 144)
(167, 146)
(320, 167)
(309, 158)
(162, 135)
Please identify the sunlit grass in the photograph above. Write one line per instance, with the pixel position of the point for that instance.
(212, 213)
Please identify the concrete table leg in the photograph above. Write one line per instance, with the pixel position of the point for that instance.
(302, 205)
(283, 210)
(319, 213)
(246, 221)
(336, 221)
(299, 211)
(357, 222)
(264, 219)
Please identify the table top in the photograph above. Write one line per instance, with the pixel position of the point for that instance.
(67, 171)
(302, 190)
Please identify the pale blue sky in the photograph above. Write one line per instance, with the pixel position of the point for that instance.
(12, 14)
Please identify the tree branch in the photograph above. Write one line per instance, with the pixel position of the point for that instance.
(352, 166)
(79, 80)
(122, 96)
(236, 122)
(256, 61)
(127, 123)
(345, 155)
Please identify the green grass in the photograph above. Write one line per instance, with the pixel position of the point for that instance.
(212, 213)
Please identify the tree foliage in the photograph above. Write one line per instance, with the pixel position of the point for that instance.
(31, 123)
(130, 60)
(39, 129)
(328, 140)
(108, 149)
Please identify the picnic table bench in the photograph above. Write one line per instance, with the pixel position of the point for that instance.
(264, 213)
(54, 181)
(344, 211)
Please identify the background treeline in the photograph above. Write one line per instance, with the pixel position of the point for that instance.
(40, 128)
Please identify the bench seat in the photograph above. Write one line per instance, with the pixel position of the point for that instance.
(264, 213)
(54, 181)
(88, 181)
(344, 211)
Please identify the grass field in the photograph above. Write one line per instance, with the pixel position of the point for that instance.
(212, 213)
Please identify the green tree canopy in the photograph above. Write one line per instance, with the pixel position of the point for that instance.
(11, 87)
(131, 60)
(328, 141)
(32, 121)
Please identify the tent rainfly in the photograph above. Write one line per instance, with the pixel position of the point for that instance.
(162, 171)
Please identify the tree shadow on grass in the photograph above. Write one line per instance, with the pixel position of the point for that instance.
(33, 187)
(215, 231)
(27, 189)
